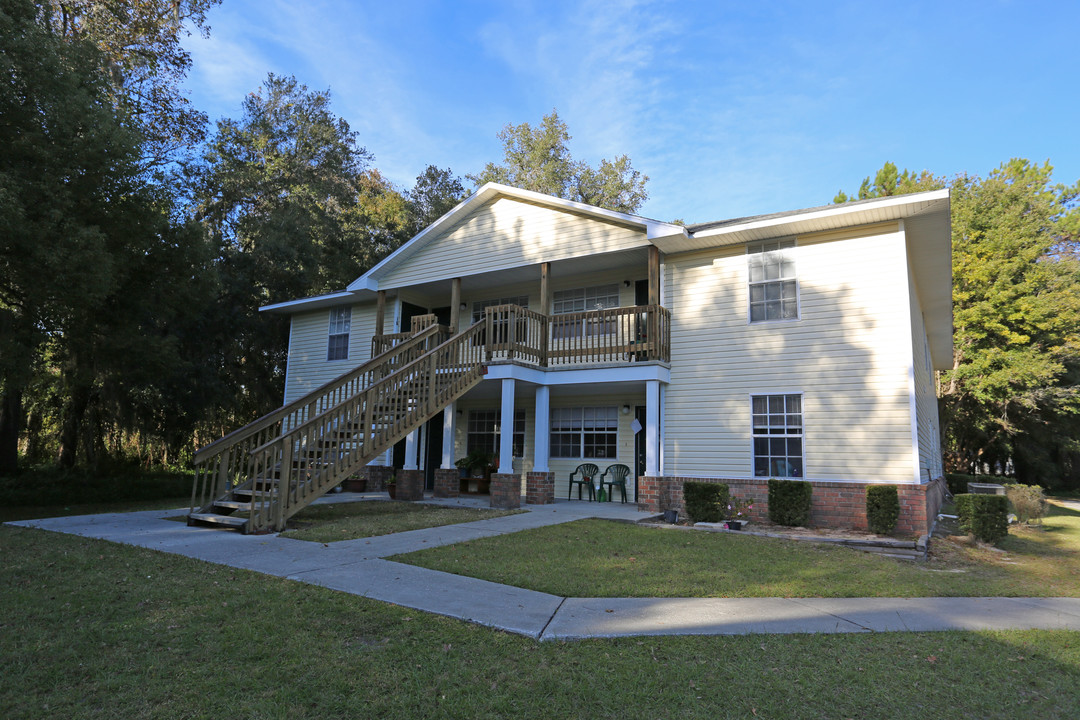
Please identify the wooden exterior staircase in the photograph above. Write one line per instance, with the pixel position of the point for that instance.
(259, 476)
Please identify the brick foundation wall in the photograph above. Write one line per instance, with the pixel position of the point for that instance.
(447, 482)
(505, 490)
(376, 476)
(540, 488)
(834, 504)
(410, 485)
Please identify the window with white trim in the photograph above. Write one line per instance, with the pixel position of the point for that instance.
(774, 289)
(564, 302)
(337, 344)
(777, 422)
(589, 432)
(482, 432)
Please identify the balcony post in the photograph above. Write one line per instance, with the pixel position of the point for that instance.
(380, 312)
(653, 331)
(545, 310)
(455, 303)
(506, 428)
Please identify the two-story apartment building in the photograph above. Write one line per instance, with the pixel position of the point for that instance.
(801, 344)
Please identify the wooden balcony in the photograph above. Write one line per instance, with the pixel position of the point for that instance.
(516, 334)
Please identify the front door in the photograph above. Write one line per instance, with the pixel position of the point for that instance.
(639, 447)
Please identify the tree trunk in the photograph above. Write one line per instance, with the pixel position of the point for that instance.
(10, 421)
(70, 430)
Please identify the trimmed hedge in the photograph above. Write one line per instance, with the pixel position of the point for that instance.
(984, 516)
(957, 482)
(789, 502)
(882, 508)
(705, 502)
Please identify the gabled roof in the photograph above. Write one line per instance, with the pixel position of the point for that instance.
(653, 229)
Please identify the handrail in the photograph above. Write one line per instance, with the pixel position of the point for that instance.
(318, 393)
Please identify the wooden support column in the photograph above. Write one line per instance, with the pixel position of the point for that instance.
(545, 310)
(380, 312)
(654, 275)
(653, 331)
(455, 304)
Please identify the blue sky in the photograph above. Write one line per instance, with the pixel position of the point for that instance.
(731, 108)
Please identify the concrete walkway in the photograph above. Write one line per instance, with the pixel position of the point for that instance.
(359, 567)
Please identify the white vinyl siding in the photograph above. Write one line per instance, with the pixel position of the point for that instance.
(509, 234)
(928, 430)
(308, 367)
(849, 356)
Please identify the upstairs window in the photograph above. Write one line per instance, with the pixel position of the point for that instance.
(774, 289)
(564, 302)
(337, 345)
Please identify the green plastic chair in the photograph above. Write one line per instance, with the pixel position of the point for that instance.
(618, 475)
(587, 471)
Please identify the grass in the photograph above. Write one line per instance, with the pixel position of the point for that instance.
(597, 558)
(348, 521)
(31, 512)
(91, 629)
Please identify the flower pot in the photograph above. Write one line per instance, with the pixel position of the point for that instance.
(392, 489)
(671, 516)
(734, 524)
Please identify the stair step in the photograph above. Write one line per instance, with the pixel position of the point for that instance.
(215, 519)
(248, 493)
(233, 504)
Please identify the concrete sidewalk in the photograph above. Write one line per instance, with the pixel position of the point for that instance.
(359, 567)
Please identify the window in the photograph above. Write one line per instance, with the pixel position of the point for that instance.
(578, 300)
(591, 432)
(778, 435)
(482, 432)
(501, 328)
(337, 346)
(774, 290)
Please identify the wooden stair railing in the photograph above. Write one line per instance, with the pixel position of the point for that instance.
(226, 463)
(284, 474)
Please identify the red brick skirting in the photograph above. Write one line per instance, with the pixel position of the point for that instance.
(447, 482)
(834, 504)
(376, 476)
(505, 491)
(540, 488)
(410, 485)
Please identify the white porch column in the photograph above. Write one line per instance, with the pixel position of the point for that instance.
(411, 448)
(543, 431)
(506, 428)
(448, 437)
(652, 428)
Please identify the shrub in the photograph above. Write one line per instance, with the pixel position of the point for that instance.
(789, 502)
(1028, 501)
(882, 508)
(984, 516)
(957, 483)
(705, 502)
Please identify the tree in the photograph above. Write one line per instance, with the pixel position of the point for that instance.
(1014, 389)
(538, 159)
(888, 181)
(435, 193)
(139, 49)
(293, 210)
(85, 242)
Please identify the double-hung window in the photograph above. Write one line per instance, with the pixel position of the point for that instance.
(578, 300)
(774, 289)
(590, 432)
(483, 432)
(337, 344)
(501, 329)
(778, 435)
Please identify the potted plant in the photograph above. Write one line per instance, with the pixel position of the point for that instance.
(738, 512)
(391, 486)
(480, 465)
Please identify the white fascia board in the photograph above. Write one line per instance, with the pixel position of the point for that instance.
(312, 303)
(778, 223)
(489, 191)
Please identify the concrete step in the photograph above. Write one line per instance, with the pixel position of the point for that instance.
(214, 519)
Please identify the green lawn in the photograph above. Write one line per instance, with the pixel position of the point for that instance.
(597, 558)
(32, 512)
(91, 629)
(348, 521)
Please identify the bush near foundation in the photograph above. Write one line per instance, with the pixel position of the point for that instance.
(984, 516)
(1028, 501)
(705, 502)
(958, 482)
(882, 508)
(789, 502)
